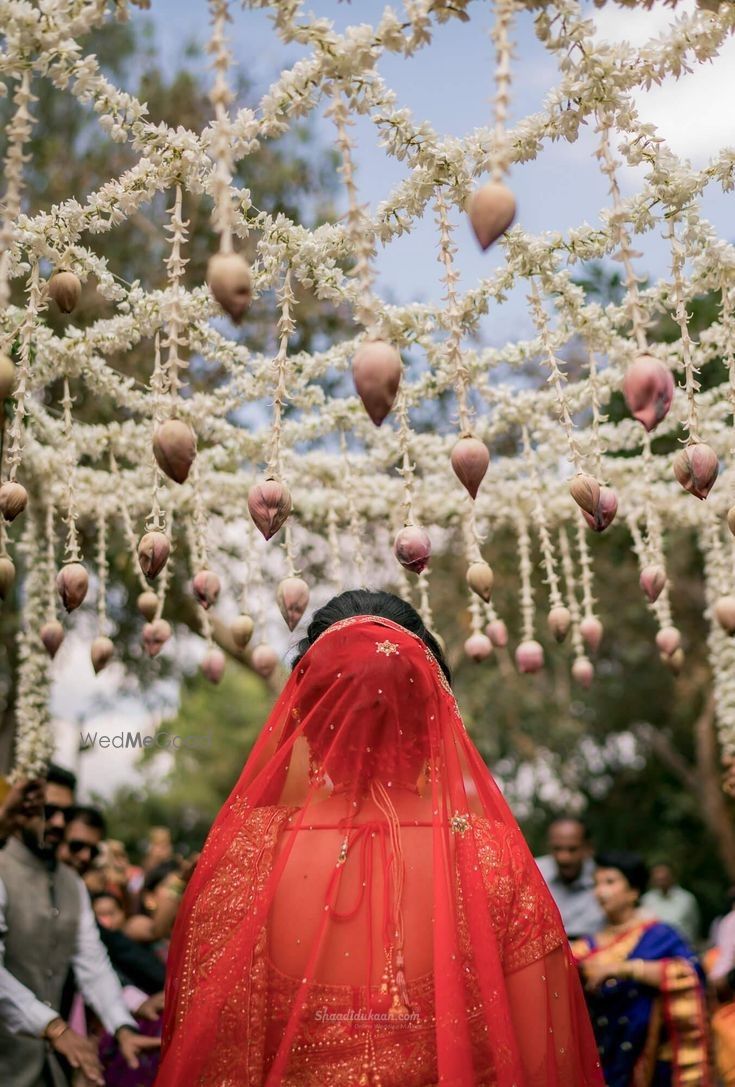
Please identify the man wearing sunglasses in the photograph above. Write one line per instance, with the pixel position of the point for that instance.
(80, 846)
(46, 926)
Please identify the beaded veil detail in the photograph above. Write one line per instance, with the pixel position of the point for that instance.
(365, 910)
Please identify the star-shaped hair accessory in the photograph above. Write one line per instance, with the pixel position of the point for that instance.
(386, 647)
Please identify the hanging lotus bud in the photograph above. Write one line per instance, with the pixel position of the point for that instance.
(412, 548)
(52, 635)
(264, 659)
(492, 209)
(213, 665)
(604, 512)
(241, 630)
(293, 599)
(206, 586)
(585, 490)
(529, 657)
(174, 447)
(470, 460)
(148, 605)
(7, 576)
(155, 636)
(269, 504)
(376, 371)
(102, 652)
(591, 630)
(583, 672)
(13, 500)
(668, 640)
(652, 581)
(559, 620)
(725, 613)
(731, 519)
(497, 632)
(648, 388)
(480, 579)
(675, 662)
(65, 289)
(230, 281)
(478, 647)
(7, 376)
(153, 552)
(72, 582)
(696, 468)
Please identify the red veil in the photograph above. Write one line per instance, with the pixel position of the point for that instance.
(365, 909)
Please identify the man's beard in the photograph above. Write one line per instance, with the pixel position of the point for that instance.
(45, 851)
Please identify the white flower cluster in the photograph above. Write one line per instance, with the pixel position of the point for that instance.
(325, 439)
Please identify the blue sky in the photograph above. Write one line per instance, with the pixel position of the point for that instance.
(450, 84)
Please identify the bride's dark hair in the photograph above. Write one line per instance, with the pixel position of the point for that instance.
(364, 602)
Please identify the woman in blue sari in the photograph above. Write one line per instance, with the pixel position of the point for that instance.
(644, 987)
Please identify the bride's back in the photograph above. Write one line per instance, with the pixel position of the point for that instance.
(356, 929)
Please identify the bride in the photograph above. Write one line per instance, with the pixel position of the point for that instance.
(366, 910)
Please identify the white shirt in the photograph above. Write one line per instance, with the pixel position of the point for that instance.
(23, 1013)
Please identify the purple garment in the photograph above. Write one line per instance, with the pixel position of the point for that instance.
(116, 1071)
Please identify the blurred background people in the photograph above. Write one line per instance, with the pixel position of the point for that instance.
(645, 987)
(568, 869)
(668, 902)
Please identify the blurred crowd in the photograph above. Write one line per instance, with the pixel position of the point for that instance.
(84, 936)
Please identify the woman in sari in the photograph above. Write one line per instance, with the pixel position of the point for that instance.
(644, 987)
(365, 910)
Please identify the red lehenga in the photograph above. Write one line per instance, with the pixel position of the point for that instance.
(365, 910)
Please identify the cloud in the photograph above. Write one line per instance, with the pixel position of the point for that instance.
(693, 113)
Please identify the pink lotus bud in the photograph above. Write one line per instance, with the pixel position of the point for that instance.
(293, 599)
(148, 605)
(668, 640)
(652, 581)
(585, 490)
(529, 657)
(591, 630)
(153, 552)
(8, 376)
(412, 548)
(731, 519)
(480, 579)
(72, 583)
(52, 635)
(13, 500)
(604, 512)
(206, 586)
(696, 468)
(583, 672)
(478, 647)
(725, 613)
(174, 447)
(155, 636)
(559, 620)
(648, 388)
(470, 460)
(241, 630)
(492, 209)
(102, 652)
(65, 289)
(7, 576)
(230, 281)
(264, 659)
(497, 632)
(269, 504)
(376, 371)
(213, 665)
(675, 663)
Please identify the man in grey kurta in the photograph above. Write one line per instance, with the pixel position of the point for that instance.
(568, 869)
(46, 926)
